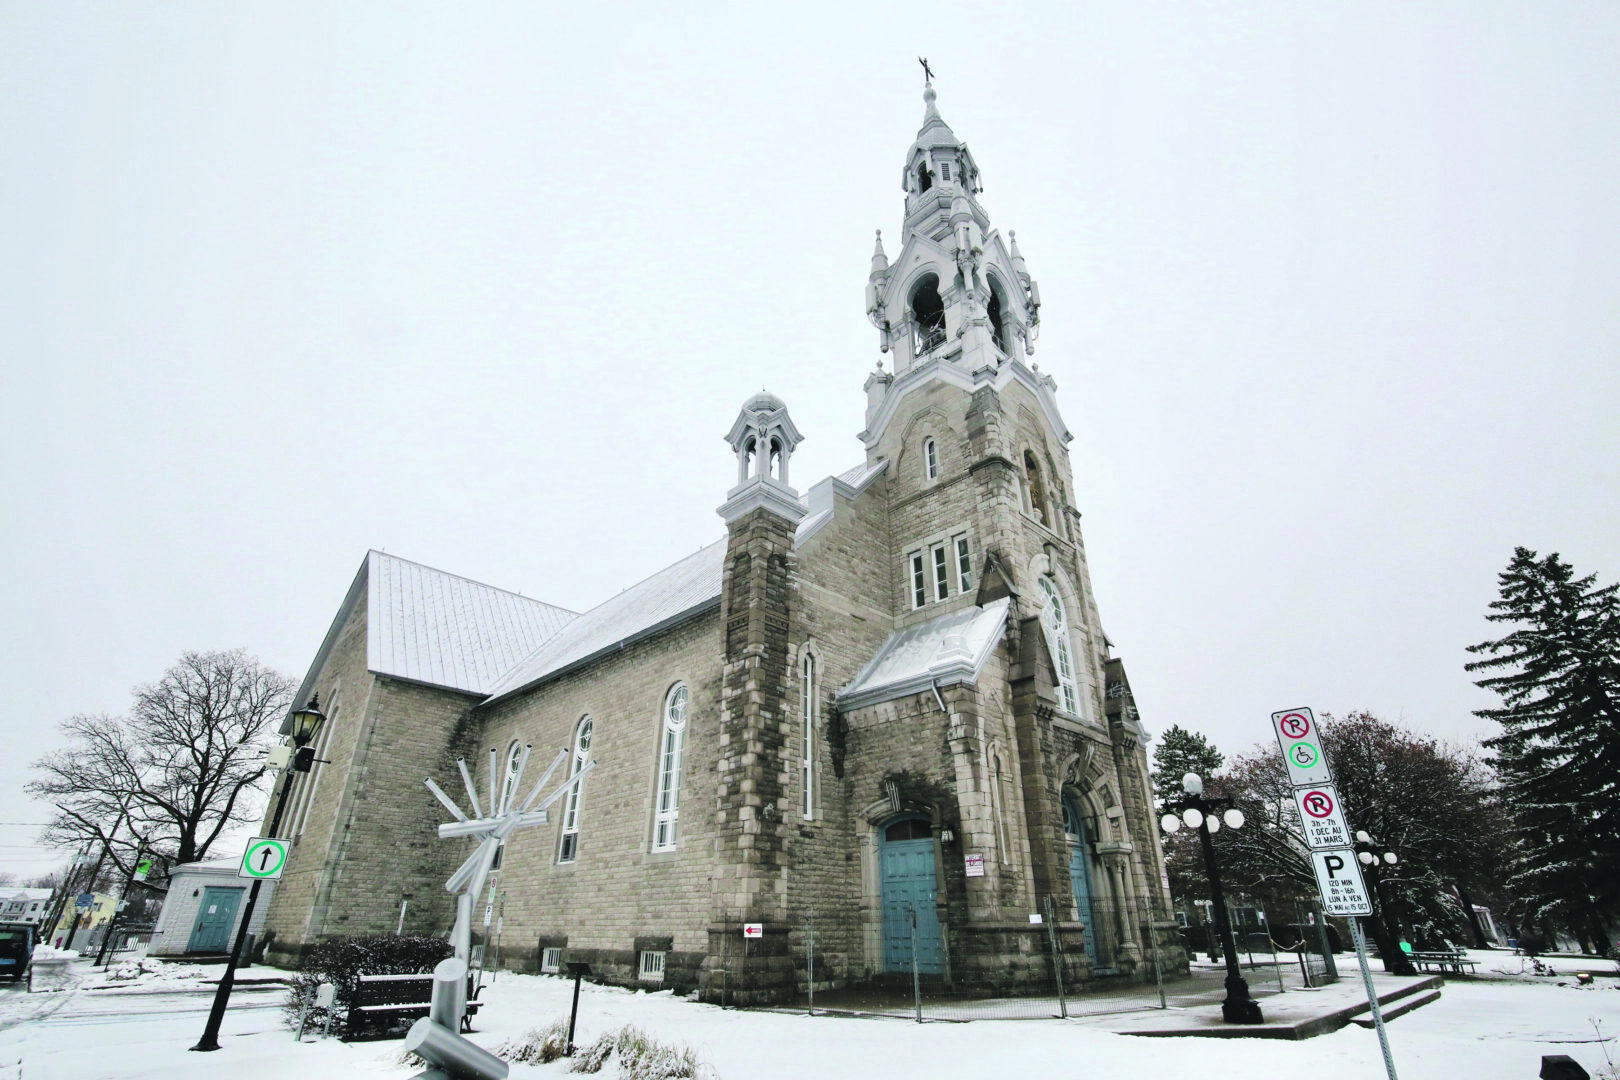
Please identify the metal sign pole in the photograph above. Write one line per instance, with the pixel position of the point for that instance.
(1372, 995)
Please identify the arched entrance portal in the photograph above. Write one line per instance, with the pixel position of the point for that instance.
(906, 859)
(1074, 825)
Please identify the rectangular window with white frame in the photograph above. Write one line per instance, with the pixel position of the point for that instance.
(964, 563)
(652, 967)
(551, 962)
(942, 573)
(919, 584)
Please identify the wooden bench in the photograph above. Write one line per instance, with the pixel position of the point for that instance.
(391, 998)
(1444, 961)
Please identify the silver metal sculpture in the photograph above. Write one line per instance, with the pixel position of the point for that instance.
(437, 1036)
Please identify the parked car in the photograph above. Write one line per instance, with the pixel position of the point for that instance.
(16, 949)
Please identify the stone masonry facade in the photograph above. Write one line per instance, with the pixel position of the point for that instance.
(1028, 774)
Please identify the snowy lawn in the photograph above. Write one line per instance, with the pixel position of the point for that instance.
(1480, 1030)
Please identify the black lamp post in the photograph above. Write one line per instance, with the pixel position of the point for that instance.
(304, 721)
(1197, 812)
(1395, 962)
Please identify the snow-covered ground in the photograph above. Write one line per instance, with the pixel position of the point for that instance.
(1480, 1030)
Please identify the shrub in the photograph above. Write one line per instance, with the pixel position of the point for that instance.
(537, 1046)
(641, 1057)
(1532, 943)
(342, 960)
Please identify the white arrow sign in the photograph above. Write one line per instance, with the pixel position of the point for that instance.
(1321, 817)
(1339, 878)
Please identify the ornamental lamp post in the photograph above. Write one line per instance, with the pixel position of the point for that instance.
(302, 725)
(1206, 816)
(1374, 862)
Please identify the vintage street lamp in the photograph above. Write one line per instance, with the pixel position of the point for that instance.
(303, 724)
(1206, 815)
(1374, 862)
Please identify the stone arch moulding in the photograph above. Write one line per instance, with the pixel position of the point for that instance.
(941, 434)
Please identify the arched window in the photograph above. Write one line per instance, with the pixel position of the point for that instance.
(930, 459)
(514, 754)
(928, 315)
(924, 179)
(1056, 623)
(1037, 490)
(807, 757)
(670, 746)
(996, 313)
(998, 806)
(572, 805)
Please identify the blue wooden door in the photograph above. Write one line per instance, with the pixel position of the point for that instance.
(216, 917)
(1080, 876)
(910, 892)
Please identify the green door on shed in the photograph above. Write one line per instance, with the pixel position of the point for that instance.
(216, 917)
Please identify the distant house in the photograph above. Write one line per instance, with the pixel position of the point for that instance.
(25, 905)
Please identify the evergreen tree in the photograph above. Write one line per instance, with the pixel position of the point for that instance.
(1180, 752)
(1557, 674)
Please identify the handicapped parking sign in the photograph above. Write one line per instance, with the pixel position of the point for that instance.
(264, 859)
(1301, 745)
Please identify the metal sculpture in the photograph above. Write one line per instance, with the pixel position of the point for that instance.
(437, 1036)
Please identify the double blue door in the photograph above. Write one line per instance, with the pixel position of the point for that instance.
(1080, 876)
(216, 918)
(910, 893)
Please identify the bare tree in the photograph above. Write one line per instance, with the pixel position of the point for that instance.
(178, 771)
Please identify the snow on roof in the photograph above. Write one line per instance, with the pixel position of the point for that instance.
(25, 894)
(819, 501)
(950, 649)
(670, 596)
(445, 630)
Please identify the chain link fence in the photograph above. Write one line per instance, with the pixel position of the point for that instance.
(1118, 959)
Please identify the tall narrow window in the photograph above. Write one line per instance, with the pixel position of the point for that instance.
(1056, 624)
(944, 170)
(942, 574)
(918, 584)
(572, 807)
(311, 780)
(1037, 491)
(669, 769)
(807, 763)
(998, 797)
(514, 754)
(930, 459)
(924, 180)
(964, 565)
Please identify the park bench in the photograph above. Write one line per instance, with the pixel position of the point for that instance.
(387, 999)
(1444, 960)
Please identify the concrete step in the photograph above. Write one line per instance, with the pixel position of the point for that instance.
(1416, 1001)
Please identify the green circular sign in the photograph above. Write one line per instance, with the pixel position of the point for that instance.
(1302, 755)
(265, 858)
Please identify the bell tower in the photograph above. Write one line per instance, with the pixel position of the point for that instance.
(958, 293)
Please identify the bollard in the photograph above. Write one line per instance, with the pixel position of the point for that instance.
(449, 993)
(455, 1055)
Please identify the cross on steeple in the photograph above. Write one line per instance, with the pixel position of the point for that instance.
(928, 72)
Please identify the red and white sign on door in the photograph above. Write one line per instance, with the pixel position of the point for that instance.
(1321, 817)
(753, 930)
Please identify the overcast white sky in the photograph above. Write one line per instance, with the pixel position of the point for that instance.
(1330, 295)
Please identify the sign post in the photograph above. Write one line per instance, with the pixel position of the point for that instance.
(1322, 822)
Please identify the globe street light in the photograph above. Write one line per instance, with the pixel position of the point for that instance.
(1374, 861)
(1206, 816)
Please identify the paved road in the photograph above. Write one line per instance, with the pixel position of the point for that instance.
(80, 1007)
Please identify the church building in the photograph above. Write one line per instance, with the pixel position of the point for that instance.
(885, 707)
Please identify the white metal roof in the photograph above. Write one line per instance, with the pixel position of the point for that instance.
(950, 649)
(673, 594)
(445, 630)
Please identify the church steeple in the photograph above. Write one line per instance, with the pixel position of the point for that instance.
(956, 293)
